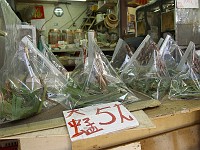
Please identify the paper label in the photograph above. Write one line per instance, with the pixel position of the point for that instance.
(187, 3)
(97, 120)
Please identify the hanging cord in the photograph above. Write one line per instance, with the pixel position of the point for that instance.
(70, 16)
(47, 21)
(79, 17)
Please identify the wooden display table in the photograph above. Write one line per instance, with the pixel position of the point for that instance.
(172, 125)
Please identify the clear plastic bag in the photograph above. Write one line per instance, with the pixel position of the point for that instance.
(171, 53)
(30, 82)
(9, 22)
(160, 42)
(98, 80)
(52, 58)
(146, 71)
(121, 55)
(186, 83)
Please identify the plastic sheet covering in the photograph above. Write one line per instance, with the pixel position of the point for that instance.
(146, 71)
(121, 55)
(30, 78)
(8, 23)
(98, 80)
(186, 83)
(171, 53)
(52, 58)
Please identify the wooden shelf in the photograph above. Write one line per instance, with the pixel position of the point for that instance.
(66, 50)
(42, 1)
(132, 4)
(106, 6)
(104, 49)
(162, 121)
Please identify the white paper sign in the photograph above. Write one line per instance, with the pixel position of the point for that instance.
(96, 120)
(187, 3)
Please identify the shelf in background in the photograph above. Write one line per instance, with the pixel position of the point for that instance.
(74, 50)
(106, 6)
(66, 50)
(107, 49)
(133, 4)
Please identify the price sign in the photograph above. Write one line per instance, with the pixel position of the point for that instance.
(97, 120)
(187, 3)
(39, 12)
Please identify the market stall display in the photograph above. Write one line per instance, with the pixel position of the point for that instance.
(30, 78)
(8, 24)
(146, 72)
(186, 83)
(53, 59)
(121, 55)
(98, 80)
(171, 53)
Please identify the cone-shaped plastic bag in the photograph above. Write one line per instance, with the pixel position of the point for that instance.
(146, 72)
(171, 54)
(121, 55)
(186, 83)
(160, 42)
(31, 81)
(52, 58)
(9, 23)
(98, 79)
(23, 92)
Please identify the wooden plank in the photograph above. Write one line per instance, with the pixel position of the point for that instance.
(185, 113)
(143, 119)
(31, 127)
(131, 146)
(45, 139)
(182, 139)
(143, 104)
(163, 125)
(172, 107)
(45, 143)
(167, 108)
(54, 118)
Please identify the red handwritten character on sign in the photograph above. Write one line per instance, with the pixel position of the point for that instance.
(90, 130)
(75, 124)
(74, 111)
(113, 118)
(129, 118)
